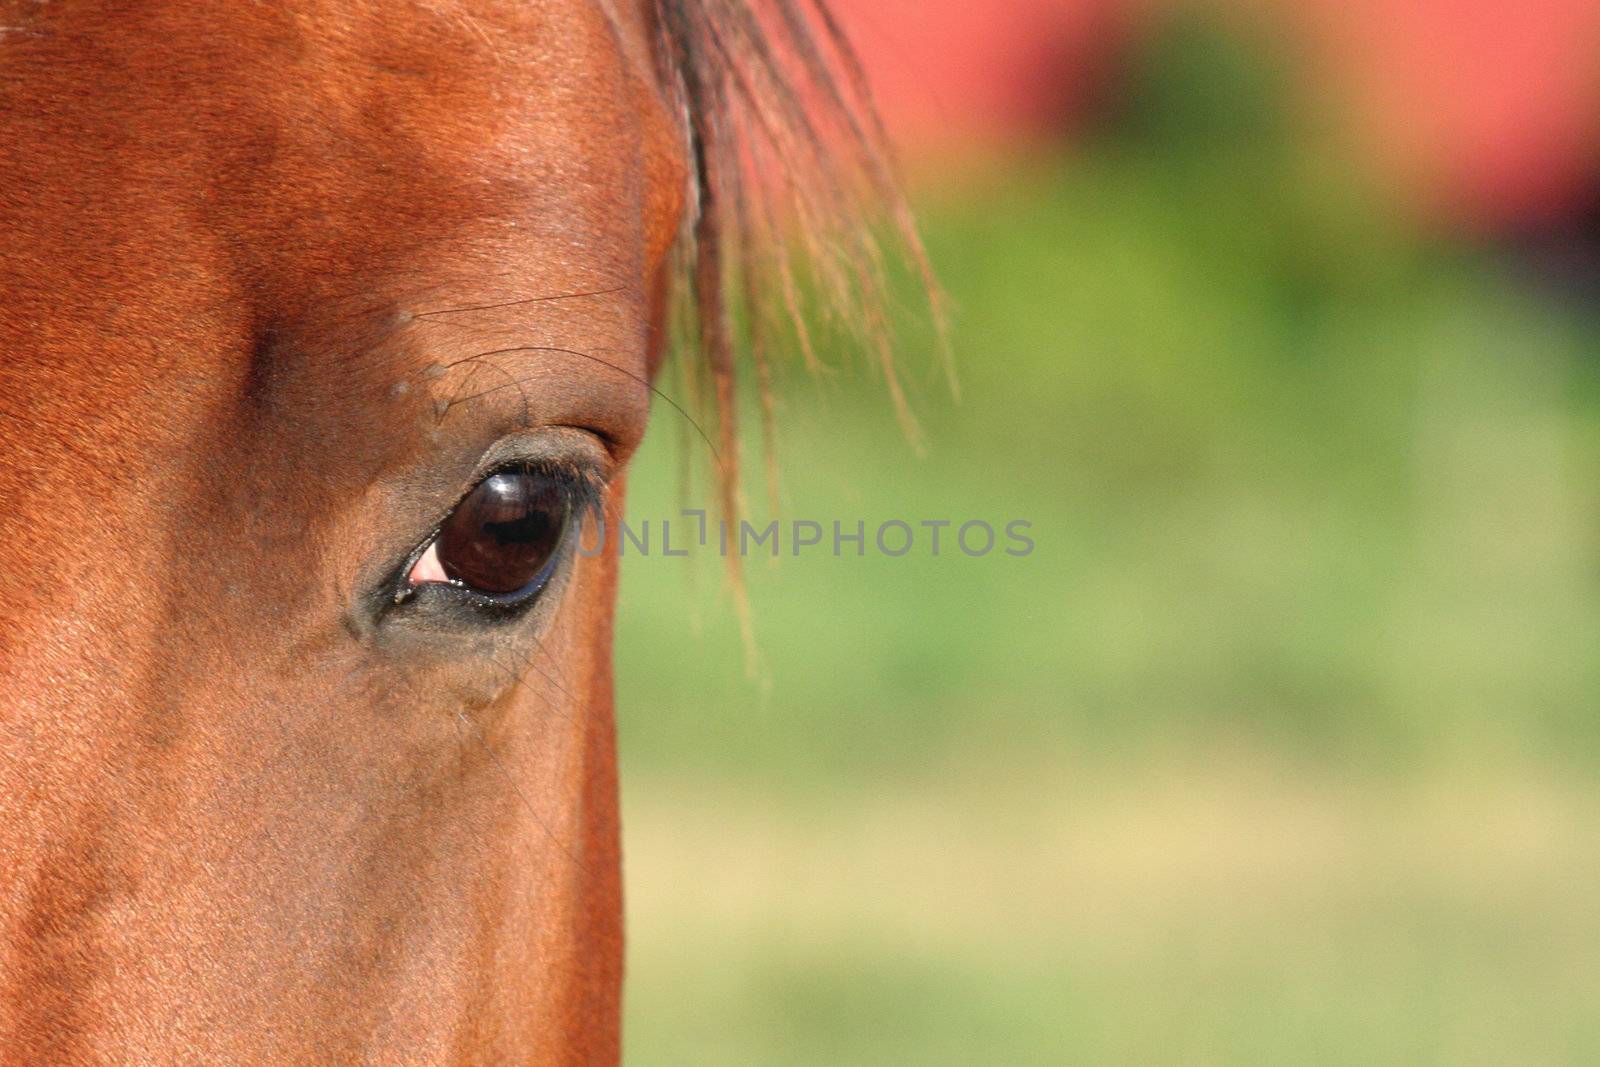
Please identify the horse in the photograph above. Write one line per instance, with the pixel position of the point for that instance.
(327, 331)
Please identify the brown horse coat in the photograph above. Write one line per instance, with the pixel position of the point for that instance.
(279, 283)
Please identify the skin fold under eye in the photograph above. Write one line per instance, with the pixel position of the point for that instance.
(502, 538)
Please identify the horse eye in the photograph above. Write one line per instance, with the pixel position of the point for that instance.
(501, 539)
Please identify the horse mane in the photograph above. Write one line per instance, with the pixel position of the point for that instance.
(793, 181)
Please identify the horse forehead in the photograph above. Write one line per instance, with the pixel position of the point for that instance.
(163, 161)
(175, 178)
(323, 108)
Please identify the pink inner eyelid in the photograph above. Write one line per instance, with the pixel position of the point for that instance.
(427, 568)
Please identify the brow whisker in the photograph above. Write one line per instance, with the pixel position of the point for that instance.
(518, 303)
(511, 380)
(679, 408)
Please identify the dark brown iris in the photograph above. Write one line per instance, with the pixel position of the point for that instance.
(500, 537)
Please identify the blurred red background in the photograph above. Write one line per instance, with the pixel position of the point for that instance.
(1481, 113)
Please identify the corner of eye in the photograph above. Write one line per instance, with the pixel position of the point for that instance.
(427, 568)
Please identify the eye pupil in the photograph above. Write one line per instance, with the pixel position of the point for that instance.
(501, 536)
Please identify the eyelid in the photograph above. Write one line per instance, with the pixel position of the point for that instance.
(569, 450)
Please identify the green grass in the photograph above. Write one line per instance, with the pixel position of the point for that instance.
(1364, 520)
(1225, 910)
(1277, 749)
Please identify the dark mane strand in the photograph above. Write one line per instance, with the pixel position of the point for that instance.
(793, 178)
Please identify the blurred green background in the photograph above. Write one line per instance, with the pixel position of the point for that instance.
(1281, 745)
